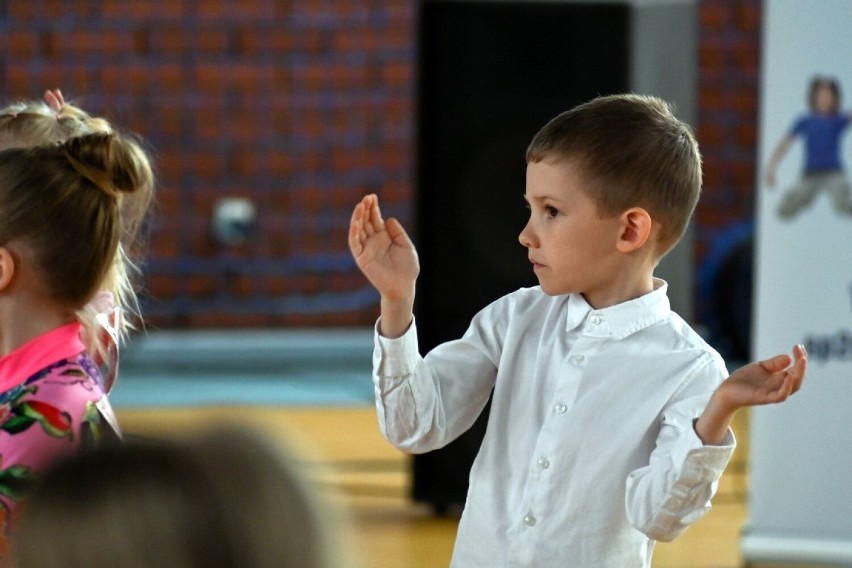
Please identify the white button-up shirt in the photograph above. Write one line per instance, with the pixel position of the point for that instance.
(590, 452)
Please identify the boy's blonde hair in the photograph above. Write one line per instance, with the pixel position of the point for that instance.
(633, 152)
(30, 124)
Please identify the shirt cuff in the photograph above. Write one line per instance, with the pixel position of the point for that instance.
(693, 455)
(395, 357)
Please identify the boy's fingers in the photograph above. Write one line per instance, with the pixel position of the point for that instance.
(357, 212)
(370, 225)
(799, 367)
(777, 363)
(356, 228)
(395, 230)
(800, 362)
(375, 213)
(786, 387)
(801, 355)
(355, 238)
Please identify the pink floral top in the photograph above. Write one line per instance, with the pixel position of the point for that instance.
(52, 403)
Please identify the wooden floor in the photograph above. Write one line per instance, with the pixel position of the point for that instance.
(367, 479)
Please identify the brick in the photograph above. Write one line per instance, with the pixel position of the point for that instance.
(211, 41)
(209, 77)
(218, 319)
(714, 15)
(139, 10)
(201, 243)
(170, 165)
(712, 177)
(171, 38)
(163, 286)
(746, 135)
(163, 246)
(212, 10)
(241, 285)
(712, 98)
(206, 165)
(748, 17)
(711, 58)
(280, 165)
(710, 134)
(22, 45)
(202, 285)
(18, 81)
(743, 174)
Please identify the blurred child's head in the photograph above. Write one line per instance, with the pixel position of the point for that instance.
(824, 95)
(60, 207)
(225, 500)
(632, 152)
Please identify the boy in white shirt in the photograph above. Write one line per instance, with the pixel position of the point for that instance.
(609, 424)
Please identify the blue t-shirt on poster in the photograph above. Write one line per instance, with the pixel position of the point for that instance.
(822, 140)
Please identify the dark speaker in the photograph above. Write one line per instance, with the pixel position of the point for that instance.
(491, 74)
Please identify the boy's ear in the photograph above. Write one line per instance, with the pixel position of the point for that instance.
(7, 268)
(635, 229)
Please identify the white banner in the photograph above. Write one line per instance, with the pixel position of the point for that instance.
(800, 503)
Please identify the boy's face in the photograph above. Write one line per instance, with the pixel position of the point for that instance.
(824, 100)
(571, 247)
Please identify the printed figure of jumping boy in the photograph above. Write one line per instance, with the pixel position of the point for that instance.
(821, 130)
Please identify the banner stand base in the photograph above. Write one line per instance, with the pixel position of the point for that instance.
(757, 548)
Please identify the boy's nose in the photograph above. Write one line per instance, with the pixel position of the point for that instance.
(526, 236)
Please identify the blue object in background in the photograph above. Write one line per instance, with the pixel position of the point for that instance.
(724, 282)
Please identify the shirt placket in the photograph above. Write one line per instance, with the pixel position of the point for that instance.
(550, 446)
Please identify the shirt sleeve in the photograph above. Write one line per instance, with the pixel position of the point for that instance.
(674, 490)
(798, 126)
(425, 403)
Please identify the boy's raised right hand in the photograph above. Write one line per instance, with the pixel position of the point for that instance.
(387, 257)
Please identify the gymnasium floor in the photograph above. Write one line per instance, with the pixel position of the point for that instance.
(367, 479)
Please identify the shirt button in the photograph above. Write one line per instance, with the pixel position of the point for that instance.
(560, 408)
(578, 359)
(543, 462)
(529, 520)
(596, 320)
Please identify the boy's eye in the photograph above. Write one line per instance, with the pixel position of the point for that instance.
(551, 211)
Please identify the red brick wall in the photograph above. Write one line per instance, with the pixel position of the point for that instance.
(728, 58)
(302, 106)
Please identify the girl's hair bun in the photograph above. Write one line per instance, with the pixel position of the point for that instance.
(110, 161)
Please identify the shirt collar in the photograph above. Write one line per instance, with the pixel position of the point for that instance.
(577, 310)
(36, 354)
(622, 319)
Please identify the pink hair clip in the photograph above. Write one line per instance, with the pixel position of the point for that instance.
(55, 100)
